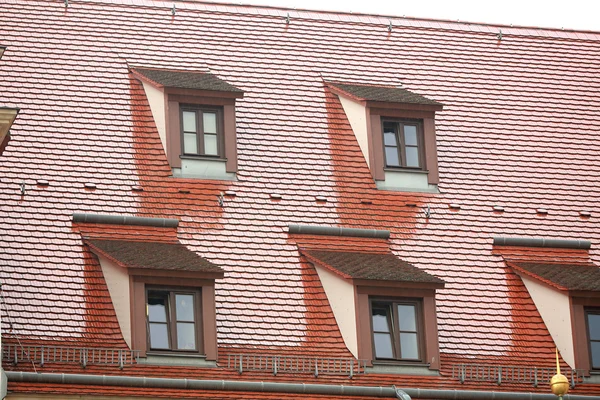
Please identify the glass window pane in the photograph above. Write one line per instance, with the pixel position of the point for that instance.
(410, 135)
(389, 139)
(189, 121)
(408, 346)
(391, 157)
(210, 145)
(594, 326)
(185, 307)
(159, 337)
(412, 156)
(406, 317)
(595, 354)
(383, 345)
(209, 120)
(157, 311)
(186, 336)
(190, 145)
(380, 320)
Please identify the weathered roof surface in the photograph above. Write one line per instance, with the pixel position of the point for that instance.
(384, 93)
(187, 80)
(519, 129)
(371, 266)
(152, 255)
(563, 276)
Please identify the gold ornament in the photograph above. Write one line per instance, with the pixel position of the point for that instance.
(559, 384)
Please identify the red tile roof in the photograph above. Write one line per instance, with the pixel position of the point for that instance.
(518, 129)
(152, 255)
(563, 276)
(371, 266)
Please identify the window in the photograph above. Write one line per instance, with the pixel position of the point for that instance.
(201, 131)
(396, 330)
(403, 142)
(172, 320)
(593, 325)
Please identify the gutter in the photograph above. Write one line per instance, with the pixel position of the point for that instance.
(338, 231)
(542, 242)
(279, 387)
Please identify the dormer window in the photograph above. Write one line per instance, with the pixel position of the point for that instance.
(7, 118)
(395, 129)
(201, 131)
(194, 113)
(403, 143)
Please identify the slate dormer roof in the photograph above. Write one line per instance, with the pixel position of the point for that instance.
(187, 80)
(388, 94)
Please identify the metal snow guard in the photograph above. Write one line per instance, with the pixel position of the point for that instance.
(510, 374)
(296, 364)
(14, 353)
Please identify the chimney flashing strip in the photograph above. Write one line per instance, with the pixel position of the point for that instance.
(338, 231)
(541, 242)
(125, 220)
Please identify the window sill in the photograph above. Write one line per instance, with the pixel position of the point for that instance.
(413, 170)
(177, 359)
(199, 157)
(401, 368)
(404, 180)
(203, 168)
(594, 377)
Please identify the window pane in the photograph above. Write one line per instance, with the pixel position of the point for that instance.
(159, 337)
(210, 122)
(406, 317)
(412, 156)
(185, 307)
(190, 145)
(595, 354)
(380, 320)
(157, 311)
(210, 145)
(410, 135)
(391, 157)
(186, 337)
(383, 345)
(408, 346)
(189, 121)
(594, 325)
(389, 139)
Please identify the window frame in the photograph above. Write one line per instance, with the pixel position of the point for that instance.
(172, 319)
(401, 145)
(199, 110)
(393, 303)
(587, 312)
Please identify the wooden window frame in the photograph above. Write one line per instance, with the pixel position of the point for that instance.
(587, 312)
(172, 318)
(401, 145)
(199, 110)
(393, 303)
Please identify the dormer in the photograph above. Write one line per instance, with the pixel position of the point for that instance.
(395, 129)
(194, 113)
(7, 117)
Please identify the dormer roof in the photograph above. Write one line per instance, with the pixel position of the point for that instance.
(385, 94)
(575, 276)
(186, 80)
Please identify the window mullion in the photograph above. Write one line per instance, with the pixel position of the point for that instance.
(401, 145)
(172, 320)
(394, 326)
(199, 131)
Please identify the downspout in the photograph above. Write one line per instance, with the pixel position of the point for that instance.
(280, 387)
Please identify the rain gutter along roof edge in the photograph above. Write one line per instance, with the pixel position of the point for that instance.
(125, 220)
(338, 231)
(541, 242)
(281, 387)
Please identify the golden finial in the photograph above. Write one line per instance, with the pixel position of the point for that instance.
(559, 384)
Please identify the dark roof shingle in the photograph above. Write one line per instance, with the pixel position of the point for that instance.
(153, 255)
(384, 94)
(371, 266)
(565, 276)
(188, 80)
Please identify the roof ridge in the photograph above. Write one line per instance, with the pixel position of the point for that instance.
(367, 18)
